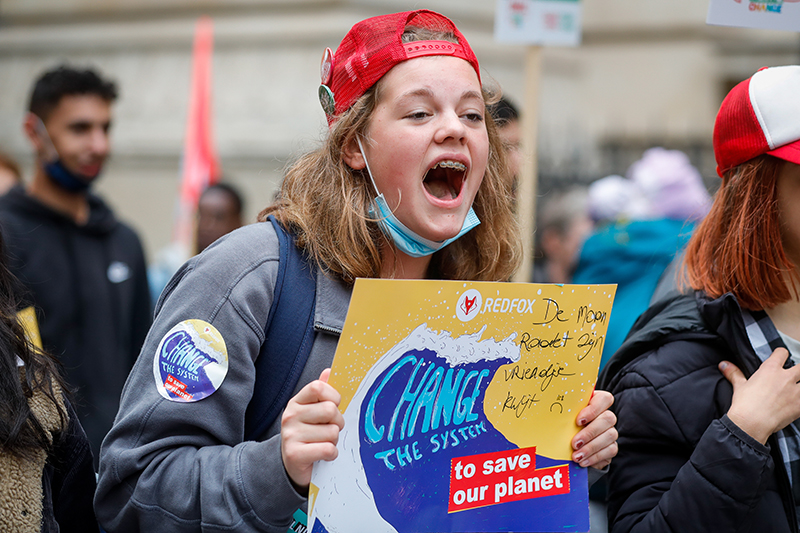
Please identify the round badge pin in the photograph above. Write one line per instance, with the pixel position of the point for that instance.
(191, 362)
(327, 100)
(326, 67)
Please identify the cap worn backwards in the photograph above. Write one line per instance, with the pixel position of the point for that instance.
(761, 115)
(373, 46)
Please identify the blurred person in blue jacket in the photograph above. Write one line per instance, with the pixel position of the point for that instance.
(643, 221)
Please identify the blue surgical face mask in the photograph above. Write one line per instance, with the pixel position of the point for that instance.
(54, 167)
(403, 238)
(65, 178)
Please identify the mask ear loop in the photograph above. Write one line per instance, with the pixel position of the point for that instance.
(41, 130)
(369, 171)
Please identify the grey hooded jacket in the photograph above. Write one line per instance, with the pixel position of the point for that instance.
(170, 466)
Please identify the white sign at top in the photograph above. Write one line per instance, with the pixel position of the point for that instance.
(542, 22)
(764, 14)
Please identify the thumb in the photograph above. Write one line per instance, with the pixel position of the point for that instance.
(732, 373)
(325, 375)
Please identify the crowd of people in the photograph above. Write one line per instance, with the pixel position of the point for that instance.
(694, 422)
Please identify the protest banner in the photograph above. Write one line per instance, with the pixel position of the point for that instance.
(534, 23)
(540, 22)
(460, 401)
(763, 14)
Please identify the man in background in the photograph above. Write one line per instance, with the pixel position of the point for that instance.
(84, 270)
(562, 227)
(219, 211)
(506, 116)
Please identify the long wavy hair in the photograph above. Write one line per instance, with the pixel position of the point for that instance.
(738, 246)
(326, 204)
(21, 433)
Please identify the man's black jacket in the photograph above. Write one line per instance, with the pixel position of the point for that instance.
(89, 285)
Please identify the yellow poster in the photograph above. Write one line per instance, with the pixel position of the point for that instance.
(27, 317)
(460, 401)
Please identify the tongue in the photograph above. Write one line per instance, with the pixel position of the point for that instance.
(439, 188)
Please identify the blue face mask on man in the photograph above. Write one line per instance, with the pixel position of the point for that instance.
(403, 238)
(65, 178)
(54, 167)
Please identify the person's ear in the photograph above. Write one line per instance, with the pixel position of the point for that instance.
(31, 126)
(351, 154)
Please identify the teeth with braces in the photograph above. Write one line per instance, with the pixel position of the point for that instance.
(451, 164)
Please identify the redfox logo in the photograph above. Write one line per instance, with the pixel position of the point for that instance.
(469, 305)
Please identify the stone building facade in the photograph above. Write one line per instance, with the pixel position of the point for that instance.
(649, 72)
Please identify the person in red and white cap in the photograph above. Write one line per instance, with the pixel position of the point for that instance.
(706, 384)
(409, 183)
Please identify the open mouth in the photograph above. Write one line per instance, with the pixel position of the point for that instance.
(445, 179)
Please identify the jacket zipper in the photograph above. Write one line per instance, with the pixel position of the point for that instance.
(328, 329)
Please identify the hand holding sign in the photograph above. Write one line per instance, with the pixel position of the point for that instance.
(596, 444)
(310, 429)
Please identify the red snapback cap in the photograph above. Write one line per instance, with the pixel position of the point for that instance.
(761, 115)
(373, 46)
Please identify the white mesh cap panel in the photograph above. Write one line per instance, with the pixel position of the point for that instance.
(775, 96)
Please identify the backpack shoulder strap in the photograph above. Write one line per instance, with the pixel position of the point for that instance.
(288, 336)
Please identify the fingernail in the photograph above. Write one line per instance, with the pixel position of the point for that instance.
(579, 445)
(578, 457)
(582, 422)
(723, 365)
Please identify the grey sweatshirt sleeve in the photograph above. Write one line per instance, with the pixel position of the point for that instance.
(172, 466)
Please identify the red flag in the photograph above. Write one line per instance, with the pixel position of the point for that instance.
(200, 165)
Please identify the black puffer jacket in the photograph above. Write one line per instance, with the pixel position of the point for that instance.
(683, 466)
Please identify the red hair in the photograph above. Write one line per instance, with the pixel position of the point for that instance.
(738, 247)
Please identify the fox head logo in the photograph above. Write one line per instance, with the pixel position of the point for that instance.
(469, 305)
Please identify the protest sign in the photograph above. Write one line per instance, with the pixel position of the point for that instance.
(460, 401)
(540, 22)
(534, 23)
(763, 14)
